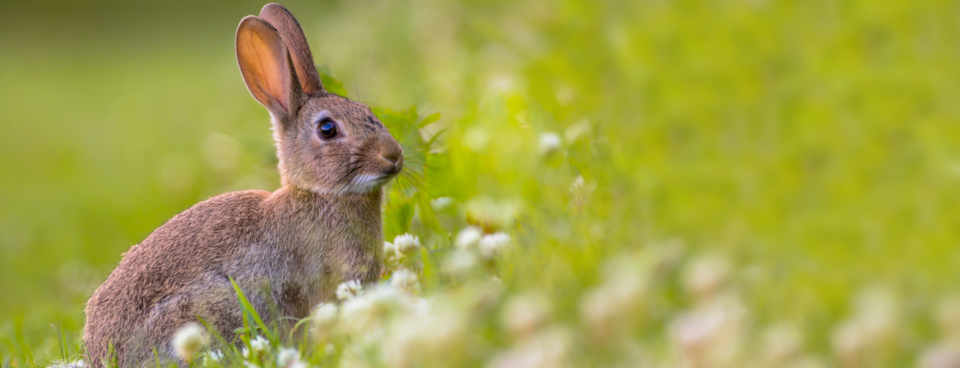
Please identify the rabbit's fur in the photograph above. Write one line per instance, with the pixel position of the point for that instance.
(287, 250)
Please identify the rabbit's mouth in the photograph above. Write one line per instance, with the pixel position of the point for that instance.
(368, 182)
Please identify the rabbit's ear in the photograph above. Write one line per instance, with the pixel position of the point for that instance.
(266, 67)
(296, 42)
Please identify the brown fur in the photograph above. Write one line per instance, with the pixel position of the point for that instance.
(287, 250)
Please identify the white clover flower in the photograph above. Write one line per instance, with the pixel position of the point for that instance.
(416, 337)
(524, 314)
(612, 306)
(468, 237)
(259, 344)
(705, 275)
(940, 356)
(712, 332)
(406, 244)
(850, 340)
(79, 363)
(405, 280)
(782, 343)
(580, 191)
(874, 324)
(349, 290)
(493, 245)
(459, 262)
(548, 349)
(189, 340)
(357, 314)
(325, 320)
(211, 357)
(287, 357)
(549, 142)
(389, 250)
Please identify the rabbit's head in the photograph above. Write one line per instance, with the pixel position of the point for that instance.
(325, 143)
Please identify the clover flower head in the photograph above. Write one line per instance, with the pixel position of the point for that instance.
(406, 244)
(468, 237)
(549, 142)
(260, 344)
(405, 280)
(212, 356)
(493, 245)
(524, 314)
(324, 321)
(460, 262)
(189, 340)
(287, 357)
(349, 290)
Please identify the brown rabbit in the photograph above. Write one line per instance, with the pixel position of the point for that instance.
(287, 250)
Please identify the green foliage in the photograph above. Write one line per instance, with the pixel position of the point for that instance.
(810, 147)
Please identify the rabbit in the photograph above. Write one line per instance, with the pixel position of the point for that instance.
(286, 250)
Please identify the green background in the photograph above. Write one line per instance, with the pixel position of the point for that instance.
(814, 143)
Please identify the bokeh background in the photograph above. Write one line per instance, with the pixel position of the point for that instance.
(807, 152)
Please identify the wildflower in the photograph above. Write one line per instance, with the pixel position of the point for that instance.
(711, 333)
(357, 314)
(705, 275)
(324, 321)
(460, 262)
(491, 214)
(468, 237)
(492, 245)
(940, 356)
(406, 244)
(872, 326)
(189, 340)
(612, 306)
(580, 190)
(549, 143)
(389, 250)
(547, 349)
(524, 314)
(79, 363)
(851, 341)
(398, 253)
(349, 290)
(417, 337)
(260, 344)
(211, 357)
(289, 358)
(404, 279)
(783, 343)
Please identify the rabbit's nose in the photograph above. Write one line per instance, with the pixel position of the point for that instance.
(393, 154)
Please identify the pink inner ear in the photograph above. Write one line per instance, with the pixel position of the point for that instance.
(272, 61)
(263, 62)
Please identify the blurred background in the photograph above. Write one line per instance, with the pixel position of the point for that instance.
(812, 146)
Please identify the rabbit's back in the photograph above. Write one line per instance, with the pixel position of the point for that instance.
(178, 272)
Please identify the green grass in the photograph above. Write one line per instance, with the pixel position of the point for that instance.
(813, 146)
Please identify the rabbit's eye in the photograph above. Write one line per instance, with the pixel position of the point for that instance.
(327, 129)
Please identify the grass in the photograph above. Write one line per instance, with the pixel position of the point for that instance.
(786, 168)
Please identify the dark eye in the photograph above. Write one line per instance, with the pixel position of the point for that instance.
(327, 129)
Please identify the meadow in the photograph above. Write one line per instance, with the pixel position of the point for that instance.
(653, 183)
